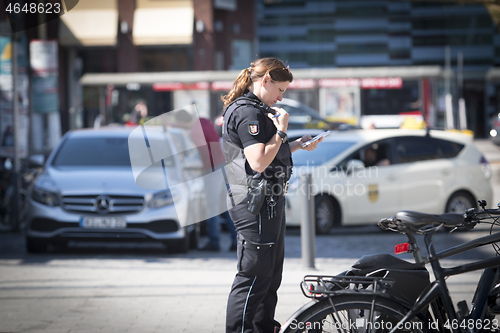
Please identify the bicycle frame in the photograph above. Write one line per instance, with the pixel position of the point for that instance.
(438, 288)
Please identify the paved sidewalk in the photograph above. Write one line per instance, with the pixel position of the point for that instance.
(119, 290)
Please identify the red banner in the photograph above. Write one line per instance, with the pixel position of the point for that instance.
(365, 83)
(171, 86)
(302, 84)
(222, 85)
(382, 83)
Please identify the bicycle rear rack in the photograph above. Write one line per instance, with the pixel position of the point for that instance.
(317, 286)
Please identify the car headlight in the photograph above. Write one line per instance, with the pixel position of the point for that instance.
(45, 197)
(163, 198)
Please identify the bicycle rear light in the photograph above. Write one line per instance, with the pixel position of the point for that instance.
(402, 248)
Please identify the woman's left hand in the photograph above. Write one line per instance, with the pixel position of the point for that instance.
(310, 146)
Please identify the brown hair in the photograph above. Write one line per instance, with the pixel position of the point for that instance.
(277, 70)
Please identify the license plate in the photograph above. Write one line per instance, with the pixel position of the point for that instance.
(103, 222)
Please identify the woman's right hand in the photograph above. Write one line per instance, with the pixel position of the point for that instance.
(281, 122)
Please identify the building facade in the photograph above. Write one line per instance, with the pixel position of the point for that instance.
(347, 33)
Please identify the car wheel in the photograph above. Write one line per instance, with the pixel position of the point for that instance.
(459, 202)
(36, 246)
(327, 214)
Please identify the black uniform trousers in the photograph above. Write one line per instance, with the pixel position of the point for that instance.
(261, 251)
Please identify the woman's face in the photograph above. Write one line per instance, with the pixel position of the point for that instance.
(272, 92)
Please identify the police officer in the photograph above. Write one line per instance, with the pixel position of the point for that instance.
(258, 166)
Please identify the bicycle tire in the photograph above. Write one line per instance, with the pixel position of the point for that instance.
(353, 315)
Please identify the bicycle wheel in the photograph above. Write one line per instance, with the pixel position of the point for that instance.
(353, 313)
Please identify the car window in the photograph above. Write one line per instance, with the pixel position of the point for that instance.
(373, 154)
(412, 149)
(323, 153)
(97, 152)
(449, 149)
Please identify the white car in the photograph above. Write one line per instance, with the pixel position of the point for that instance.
(361, 176)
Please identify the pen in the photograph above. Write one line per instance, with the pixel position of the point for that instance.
(276, 115)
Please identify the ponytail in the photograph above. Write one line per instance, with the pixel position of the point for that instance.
(240, 84)
(273, 67)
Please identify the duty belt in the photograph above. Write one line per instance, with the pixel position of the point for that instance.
(260, 190)
(271, 188)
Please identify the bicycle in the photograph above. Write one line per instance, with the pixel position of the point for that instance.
(371, 303)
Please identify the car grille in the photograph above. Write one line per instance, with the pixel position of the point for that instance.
(159, 226)
(118, 204)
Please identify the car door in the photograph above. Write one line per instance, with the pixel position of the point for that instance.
(373, 191)
(424, 173)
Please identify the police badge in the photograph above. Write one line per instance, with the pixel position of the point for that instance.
(253, 128)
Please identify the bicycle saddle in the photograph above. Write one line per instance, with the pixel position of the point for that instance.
(418, 219)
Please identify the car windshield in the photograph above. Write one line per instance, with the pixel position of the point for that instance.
(94, 152)
(325, 152)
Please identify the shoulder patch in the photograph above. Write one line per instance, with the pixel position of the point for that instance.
(253, 127)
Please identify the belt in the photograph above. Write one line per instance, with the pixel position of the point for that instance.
(272, 188)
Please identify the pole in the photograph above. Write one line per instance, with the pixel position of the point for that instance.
(447, 65)
(447, 90)
(17, 167)
(308, 223)
(462, 113)
(460, 74)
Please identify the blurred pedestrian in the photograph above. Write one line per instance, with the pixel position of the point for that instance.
(139, 112)
(212, 157)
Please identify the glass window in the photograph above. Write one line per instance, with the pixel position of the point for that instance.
(445, 23)
(471, 39)
(391, 101)
(373, 154)
(361, 11)
(412, 149)
(362, 48)
(96, 152)
(449, 149)
(325, 152)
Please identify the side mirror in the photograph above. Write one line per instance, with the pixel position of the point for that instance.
(36, 161)
(354, 165)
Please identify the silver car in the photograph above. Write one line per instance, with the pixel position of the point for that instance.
(87, 192)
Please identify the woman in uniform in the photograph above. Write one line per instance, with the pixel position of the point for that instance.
(258, 166)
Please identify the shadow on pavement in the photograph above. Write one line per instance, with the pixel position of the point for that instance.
(344, 242)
